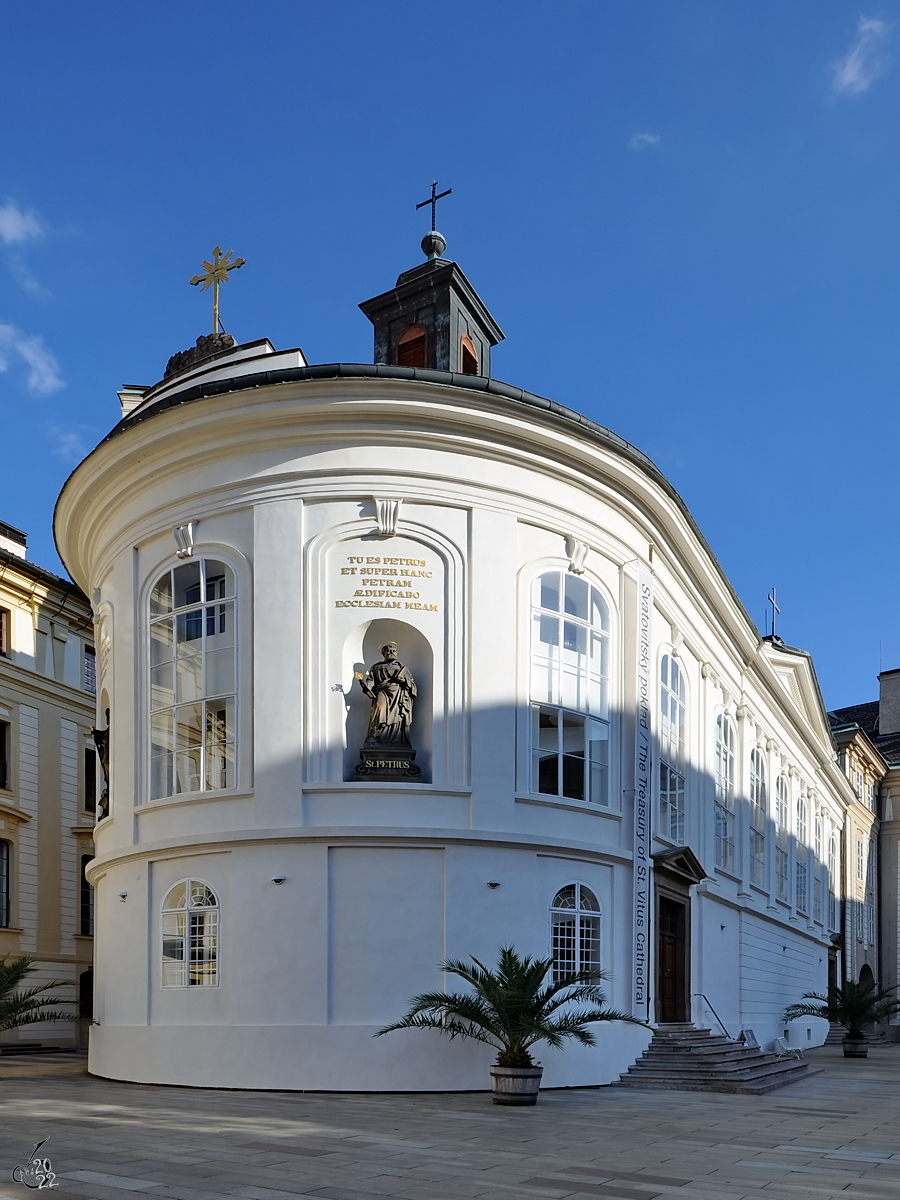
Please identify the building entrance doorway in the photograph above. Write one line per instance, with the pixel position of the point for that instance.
(671, 962)
(674, 873)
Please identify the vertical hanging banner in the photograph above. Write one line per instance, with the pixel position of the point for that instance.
(642, 794)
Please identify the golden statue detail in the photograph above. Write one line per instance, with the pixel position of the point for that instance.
(214, 273)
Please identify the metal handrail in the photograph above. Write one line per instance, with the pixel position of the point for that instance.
(715, 1014)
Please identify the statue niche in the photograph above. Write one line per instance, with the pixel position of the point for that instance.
(387, 752)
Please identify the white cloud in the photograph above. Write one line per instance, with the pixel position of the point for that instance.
(43, 369)
(862, 64)
(17, 225)
(69, 445)
(640, 141)
(24, 278)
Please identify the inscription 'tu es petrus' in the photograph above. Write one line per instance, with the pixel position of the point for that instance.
(387, 583)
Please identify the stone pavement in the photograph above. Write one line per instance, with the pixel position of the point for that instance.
(834, 1135)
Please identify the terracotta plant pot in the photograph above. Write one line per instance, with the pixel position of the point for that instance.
(516, 1085)
(856, 1048)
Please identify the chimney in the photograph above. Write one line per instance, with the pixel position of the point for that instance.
(13, 540)
(889, 702)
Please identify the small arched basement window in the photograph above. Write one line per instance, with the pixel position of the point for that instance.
(468, 356)
(411, 347)
(574, 930)
(190, 936)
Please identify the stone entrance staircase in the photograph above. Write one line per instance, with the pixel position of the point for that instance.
(685, 1059)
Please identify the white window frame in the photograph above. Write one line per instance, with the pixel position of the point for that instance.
(801, 868)
(589, 710)
(724, 803)
(759, 812)
(230, 559)
(581, 916)
(832, 882)
(672, 775)
(170, 934)
(782, 838)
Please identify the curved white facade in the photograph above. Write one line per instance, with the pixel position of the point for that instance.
(283, 478)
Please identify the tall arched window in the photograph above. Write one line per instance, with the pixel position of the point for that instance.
(671, 748)
(782, 839)
(190, 936)
(411, 348)
(5, 886)
(574, 930)
(759, 805)
(802, 887)
(817, 868)
(724, 793)
(832, 883)
(569, 689)
(192, 679)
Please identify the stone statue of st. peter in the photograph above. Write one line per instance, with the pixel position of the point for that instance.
(392, 689)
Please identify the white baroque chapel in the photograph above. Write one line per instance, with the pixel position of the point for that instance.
(403, 663)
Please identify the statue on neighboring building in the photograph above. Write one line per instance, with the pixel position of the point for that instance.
(101, 741)
(390, 686)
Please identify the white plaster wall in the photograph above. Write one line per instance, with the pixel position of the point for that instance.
(385, 879)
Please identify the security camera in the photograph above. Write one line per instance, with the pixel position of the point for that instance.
(123, 896)
(279, 878)
(493, 884)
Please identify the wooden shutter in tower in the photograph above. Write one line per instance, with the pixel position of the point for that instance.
(411, 347)
(469, 357)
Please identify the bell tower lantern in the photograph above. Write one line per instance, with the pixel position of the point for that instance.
(433, 318)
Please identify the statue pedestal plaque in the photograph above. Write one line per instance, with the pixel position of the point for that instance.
(393, 763)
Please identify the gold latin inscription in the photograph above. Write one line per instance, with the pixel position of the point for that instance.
(387, 583)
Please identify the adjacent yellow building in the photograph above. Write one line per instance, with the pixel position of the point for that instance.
(49, 780)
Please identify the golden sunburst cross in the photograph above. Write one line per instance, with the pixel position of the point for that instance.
(214, 273)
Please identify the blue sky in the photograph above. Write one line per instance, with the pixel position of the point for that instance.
(685, 217)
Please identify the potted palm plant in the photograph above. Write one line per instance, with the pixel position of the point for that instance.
(33, 1005)
(853, 1005)
(512, 1008)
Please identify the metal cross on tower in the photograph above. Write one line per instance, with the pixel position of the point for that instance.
(214, 273)
(775, 608)
(433, 202)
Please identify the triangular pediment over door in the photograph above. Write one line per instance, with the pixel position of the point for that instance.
(681, 862)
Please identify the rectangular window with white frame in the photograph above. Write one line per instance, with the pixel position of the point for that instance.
(5, 768)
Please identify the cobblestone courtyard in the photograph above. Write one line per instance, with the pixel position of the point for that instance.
(834, 1135)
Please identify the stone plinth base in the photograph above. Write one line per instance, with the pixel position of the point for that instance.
(387, 762)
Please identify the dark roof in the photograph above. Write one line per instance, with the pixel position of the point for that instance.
(14, 535)
(865, 717)
(8, 559)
